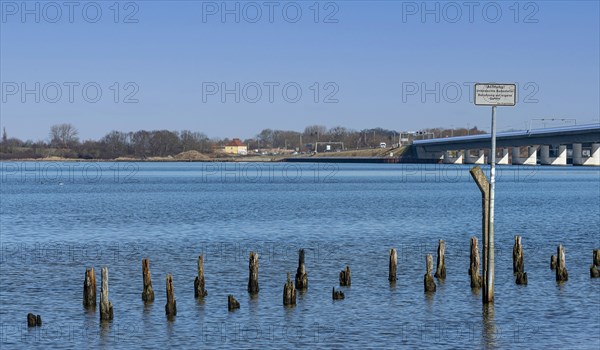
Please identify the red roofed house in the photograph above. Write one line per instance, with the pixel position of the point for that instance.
(236, 146)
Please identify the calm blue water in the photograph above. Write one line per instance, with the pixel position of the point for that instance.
(58, 218)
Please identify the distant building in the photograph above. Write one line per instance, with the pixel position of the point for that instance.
(236, 146)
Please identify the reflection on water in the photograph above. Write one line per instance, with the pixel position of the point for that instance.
(490, 331)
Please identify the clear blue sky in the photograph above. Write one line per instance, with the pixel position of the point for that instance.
(374, 55)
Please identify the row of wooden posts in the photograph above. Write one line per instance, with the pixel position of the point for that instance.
(557, 263)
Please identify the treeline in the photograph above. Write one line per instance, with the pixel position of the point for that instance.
(63, 141)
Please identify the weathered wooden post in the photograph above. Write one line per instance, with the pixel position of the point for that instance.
(147, 292)
(519, 262)
(337, 294)
(440, 271)
(289, 292)
(33, 320)
(428, 278)
(561, 268)
(474, 266)
(232, 303)
(253, 276)
(553, 262)
(171, 305)
(301, 275)
(199, 291)
(106, 307)
(393, 264)
(89, 288)
(518, 265)
(484, 187)
(345, 280)
(594, 272)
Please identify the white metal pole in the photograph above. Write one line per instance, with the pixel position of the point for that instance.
(490, 255)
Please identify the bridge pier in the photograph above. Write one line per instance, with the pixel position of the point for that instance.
(592, 160)
(531, 158)
(449, 158)
(560, 159)
(479, 159)
(503, 160)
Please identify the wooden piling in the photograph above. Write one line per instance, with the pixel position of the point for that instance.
(89, 288)
(147, 291)
(301, 275)
(337, 294)
(440, 271)
(519, 262)
(199, 291)
(106, 307)
(483, 184)
(553, 262)
(289, 292)
(253, 275)
(594, 269)
(518, 256)
(474, 266)
(561, 267)
(345, 279)
(428, 281)
(393, 265)
(34, 320)
(171, 305)
(232, 303)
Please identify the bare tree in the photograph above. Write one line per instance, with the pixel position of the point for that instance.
(63, 135)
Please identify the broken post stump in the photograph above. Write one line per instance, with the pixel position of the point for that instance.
(553, 262)
(199, 291)
(594, 272)
(106, 307)
(232, 303)
(301, 276)
(474, 266)
(561, 268)
(428, 278)
(171, 305)
(521, 278)
(440, 271)
(147, 292)
(518, 262)
(518, 265)
(337, 294)
(345, 280)
(289, 292)
(253, 274)
(393, 265)
(34, 320)
(89, 288)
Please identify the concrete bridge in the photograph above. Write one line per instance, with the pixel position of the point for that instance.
(577, 145)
